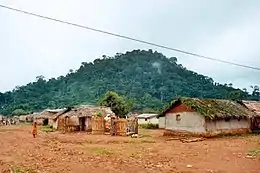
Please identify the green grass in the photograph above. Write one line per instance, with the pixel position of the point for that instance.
(255, 152)
(47, 129)
(149, 126)
(19, 169)
(24, 124)
(100, 151)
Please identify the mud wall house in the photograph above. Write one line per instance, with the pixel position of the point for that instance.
(253, 106)
(22, 118)
(148, 118)
(46, 116)
(78, 119)
(54, 119)
(205, 117)
(30, 117)
(52, 113)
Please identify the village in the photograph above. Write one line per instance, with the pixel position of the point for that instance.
(129, 86)
(188, 123)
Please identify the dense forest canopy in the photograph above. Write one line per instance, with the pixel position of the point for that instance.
(148, 79)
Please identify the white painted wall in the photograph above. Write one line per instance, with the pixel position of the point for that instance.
(215, 126)
(153, 120)
(161, 122)
(189, 121)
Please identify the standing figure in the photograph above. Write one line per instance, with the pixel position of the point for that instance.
(34, 129)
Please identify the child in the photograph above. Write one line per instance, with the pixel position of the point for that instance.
(34, 129)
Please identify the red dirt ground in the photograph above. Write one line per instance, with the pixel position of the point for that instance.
(54, 152)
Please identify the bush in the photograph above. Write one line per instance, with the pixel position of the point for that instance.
(149, 126)
(47, 129)
(19, 112)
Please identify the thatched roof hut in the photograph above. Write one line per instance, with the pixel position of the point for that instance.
(46, 117)
(79, 118)
(212, 108)
(205, 117)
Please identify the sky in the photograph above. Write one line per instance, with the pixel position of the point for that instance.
(222, 29)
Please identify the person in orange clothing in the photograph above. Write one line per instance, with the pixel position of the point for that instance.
(34, 129)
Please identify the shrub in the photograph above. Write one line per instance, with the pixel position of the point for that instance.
(149, 126)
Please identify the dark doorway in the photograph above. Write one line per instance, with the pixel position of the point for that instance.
(82, 123)
(45, 122)
(255, 125)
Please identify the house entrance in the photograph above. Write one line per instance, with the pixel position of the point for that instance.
(82, 123)
(255, 125)
(45, 122)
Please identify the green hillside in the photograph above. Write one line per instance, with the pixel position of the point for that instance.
(147, 78)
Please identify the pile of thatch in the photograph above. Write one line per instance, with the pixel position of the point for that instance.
(213, 108)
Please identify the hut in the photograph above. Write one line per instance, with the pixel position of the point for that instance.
(205, 117)
(46, 117)
(1, 119)
(30, 117)
(253, 106)
(22, 118)
(79, 119)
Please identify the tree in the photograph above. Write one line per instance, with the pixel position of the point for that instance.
(40, 78)
(256, 92)
(131, 74)
(117, 104)
(19, 112)
(236, 95)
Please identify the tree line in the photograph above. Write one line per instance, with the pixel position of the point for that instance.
(146, 80)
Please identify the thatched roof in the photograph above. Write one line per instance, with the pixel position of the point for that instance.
(253, 106)
(213, 108)
(48, 113)
(86, 111)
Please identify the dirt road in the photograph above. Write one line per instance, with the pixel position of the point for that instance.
(82, 153)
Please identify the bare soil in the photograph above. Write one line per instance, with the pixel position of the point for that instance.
(53, 152)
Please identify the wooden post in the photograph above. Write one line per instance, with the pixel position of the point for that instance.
(136, 125)
(113, 126)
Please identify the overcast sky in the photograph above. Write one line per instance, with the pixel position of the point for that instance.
(223, 29)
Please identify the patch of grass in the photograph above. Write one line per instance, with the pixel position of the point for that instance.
(235, 135)
(19, 169)
(255, 152)
(147, 141)
(256, 131)
(139, 141)
(100, 151)
(24, 124)
(47, 129)
(149, 126)
(146, 136)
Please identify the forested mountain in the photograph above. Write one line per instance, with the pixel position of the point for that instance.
(147, 78)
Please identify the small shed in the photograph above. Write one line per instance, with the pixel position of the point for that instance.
(206, 117)
(148, 118)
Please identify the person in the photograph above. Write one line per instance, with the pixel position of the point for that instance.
(34, 129)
